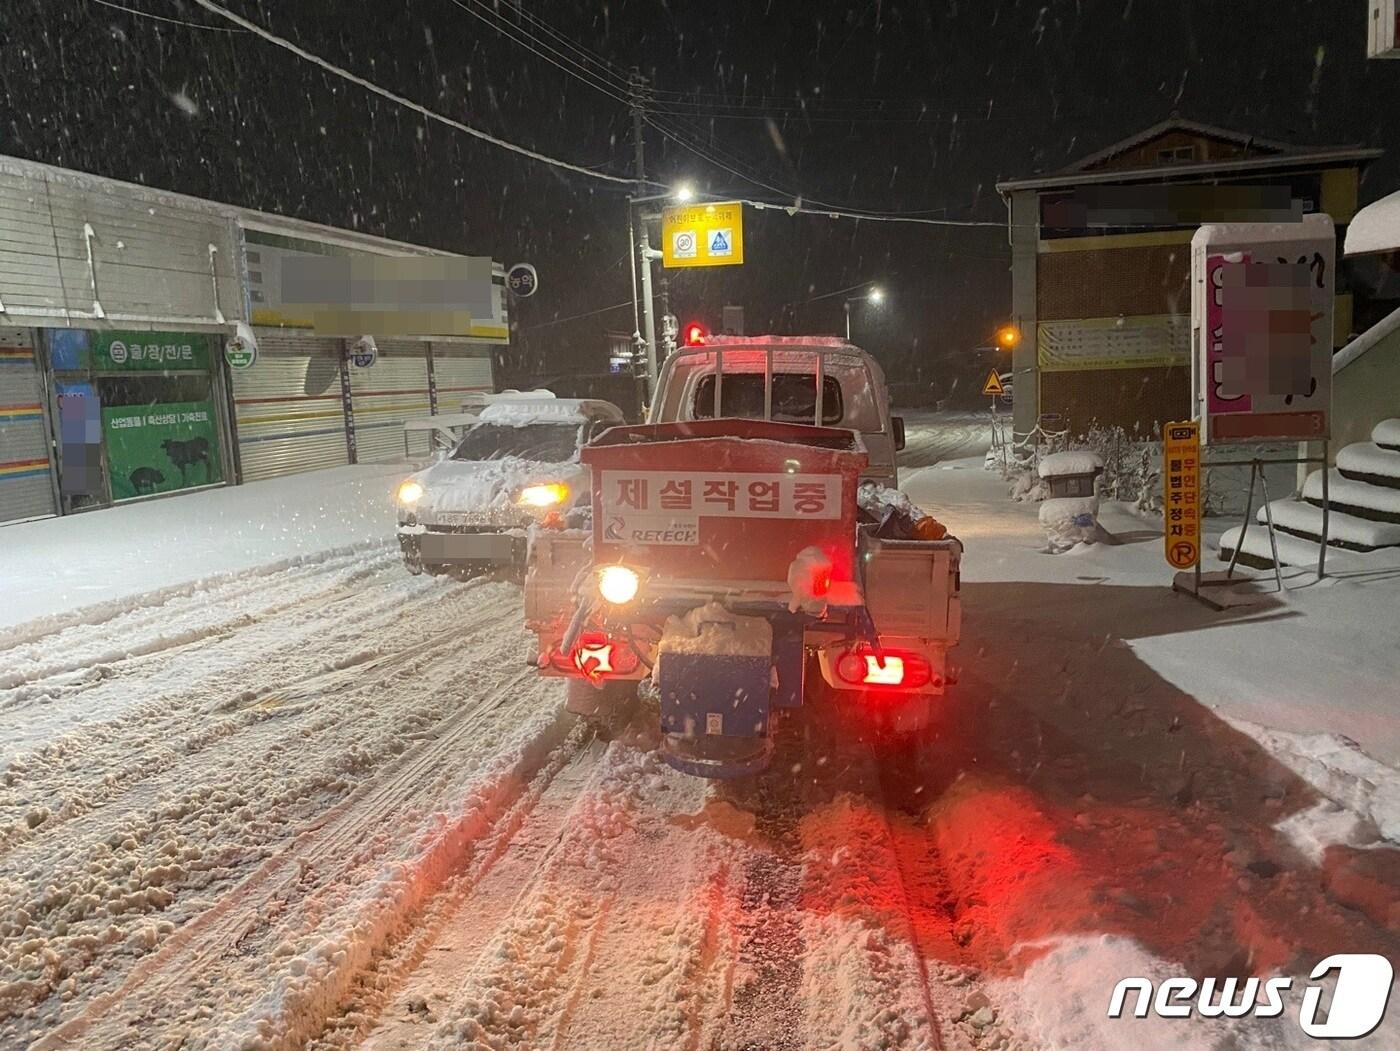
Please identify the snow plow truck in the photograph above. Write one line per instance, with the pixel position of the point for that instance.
(745, 558)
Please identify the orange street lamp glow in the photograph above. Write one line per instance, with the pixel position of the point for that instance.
(1008, 336)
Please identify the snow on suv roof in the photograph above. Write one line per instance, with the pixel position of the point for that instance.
(550, 410)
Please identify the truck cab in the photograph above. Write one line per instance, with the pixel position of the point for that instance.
(823, 381)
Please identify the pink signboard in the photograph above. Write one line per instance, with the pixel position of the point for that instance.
(1262, 309)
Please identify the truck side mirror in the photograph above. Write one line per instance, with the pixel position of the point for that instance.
(897, 426)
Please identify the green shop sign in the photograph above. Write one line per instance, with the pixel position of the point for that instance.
(161, 448)
(150, 351)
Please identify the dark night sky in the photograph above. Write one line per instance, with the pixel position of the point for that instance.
(1008, 88)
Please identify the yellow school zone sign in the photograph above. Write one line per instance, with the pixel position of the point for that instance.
(703, 235)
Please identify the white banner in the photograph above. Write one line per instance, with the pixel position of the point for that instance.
(1135, 342)
(721, 495)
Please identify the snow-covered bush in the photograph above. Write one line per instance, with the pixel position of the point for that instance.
(1028, 487)
(1132, 466)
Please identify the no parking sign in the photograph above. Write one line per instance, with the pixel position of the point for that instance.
(1181, 493)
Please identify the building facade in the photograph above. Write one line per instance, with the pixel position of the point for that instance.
(1101, 264)
(117, 378)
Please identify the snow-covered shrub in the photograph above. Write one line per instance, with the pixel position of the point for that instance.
(1132, 466)
(1028, 487)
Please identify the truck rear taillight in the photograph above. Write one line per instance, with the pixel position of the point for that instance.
(864, 667)
(597, 655)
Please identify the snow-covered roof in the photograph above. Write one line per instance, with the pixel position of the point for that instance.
(1076, 461)
(1376, 228)
(249, 218)
(1191, 127)
(518, 411)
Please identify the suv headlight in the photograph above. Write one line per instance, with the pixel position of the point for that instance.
(542, 496)
(410, 492)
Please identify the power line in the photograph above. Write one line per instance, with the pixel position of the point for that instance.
(779, 117)
(608, 71)
(817, 207)
(575, 317)
(702, 153)
(551, 55)
(605, 76)
(770, 104)
(407, 103)
(826, 295)
(874, 217)
(164, 18)
(758, 110)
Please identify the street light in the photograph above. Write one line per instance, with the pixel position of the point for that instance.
(875, 295)
(637, 227)
(1008, 336)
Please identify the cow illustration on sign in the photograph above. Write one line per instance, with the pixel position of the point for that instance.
(145, 479)
(185, 454)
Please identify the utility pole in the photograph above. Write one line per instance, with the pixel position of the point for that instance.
(669, 327)
(642, 247)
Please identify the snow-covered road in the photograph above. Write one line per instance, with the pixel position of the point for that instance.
(174, 774)
(335, 805)
(932, 437)
(321, 803)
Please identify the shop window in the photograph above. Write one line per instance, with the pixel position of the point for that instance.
(137, 411)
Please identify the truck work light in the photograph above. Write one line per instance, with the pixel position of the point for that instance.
(618, 584)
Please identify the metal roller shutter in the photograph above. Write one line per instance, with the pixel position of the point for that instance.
(288, 407)
(26, 488)
(393, 389)
(459, 369)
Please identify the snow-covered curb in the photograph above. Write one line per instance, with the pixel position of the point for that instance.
(1339, 770)
(101, 612)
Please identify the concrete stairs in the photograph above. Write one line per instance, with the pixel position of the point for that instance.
(1364, 493)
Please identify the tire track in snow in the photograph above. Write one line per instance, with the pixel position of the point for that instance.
(453, 930)
(212, 816)
(591, 931)
(934, 438)
(887, 967)
(176, 727)
(523, 984)
(767, 1008)
(278, 910)
(253, 717)
(148, 605)
(146, 631)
